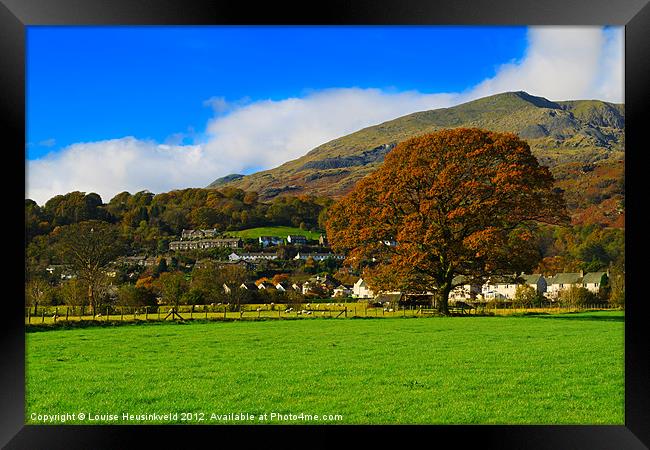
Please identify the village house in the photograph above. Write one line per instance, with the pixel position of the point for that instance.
(266, 241)
(504, 287)
(226, 289)
(318, 256)
(536, 281)
(322, 241)
(361, 290)
(252, 256)
(249, 286)
(465, 290)
(206, 243)
(499, 287)
(561, 281)
(342, 291)
(296, 240)
(265, 285)
(593, 281)
(282, 286)
(198, 234)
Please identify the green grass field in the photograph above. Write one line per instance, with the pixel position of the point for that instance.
(555, 369)
(283, 232)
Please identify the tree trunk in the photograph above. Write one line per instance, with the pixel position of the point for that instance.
(442, 298)
(91, 298)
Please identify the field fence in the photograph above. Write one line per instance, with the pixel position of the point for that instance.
(54, 314)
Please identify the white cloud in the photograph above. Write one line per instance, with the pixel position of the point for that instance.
(564, 63)
(112, 166)
(560, 63)
(269, 133)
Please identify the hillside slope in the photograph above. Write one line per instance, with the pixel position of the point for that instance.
(581, 141)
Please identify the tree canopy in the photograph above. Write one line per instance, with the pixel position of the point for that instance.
(455, 202)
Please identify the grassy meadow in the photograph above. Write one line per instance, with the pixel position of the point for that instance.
(547, 369)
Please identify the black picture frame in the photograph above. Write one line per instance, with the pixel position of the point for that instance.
(15, 15)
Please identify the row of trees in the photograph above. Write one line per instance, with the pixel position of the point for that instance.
(145, 219)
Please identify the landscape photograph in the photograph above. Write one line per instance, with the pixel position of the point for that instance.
(331, 225)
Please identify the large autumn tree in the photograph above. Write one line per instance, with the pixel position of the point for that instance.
(456, 202)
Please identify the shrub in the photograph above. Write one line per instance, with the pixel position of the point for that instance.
(576, 296)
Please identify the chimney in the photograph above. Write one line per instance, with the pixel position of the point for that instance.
(582, 273)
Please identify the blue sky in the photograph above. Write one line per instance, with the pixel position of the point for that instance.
(93, 83)
(131, 108)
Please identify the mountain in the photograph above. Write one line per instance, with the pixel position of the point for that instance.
(582, 141)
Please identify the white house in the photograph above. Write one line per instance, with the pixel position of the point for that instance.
(499, 287)
(594, 280)
(536, 281)
(361, 290)
(561, 281)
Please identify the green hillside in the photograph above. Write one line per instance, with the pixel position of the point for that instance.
(573, 138)
(283, 232)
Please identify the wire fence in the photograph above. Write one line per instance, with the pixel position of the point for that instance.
(35, 315)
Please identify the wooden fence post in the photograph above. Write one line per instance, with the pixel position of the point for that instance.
(346, 312)
(224, 311)
(56, 313)
(29, 315)
(67, 311)
(191, 311)
(122, 313)
(146, 313)
(205, 308)
(42, 315)
(107, 309)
